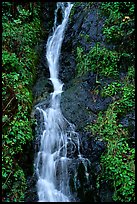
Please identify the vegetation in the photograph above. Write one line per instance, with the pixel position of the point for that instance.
(120, 26)
(118, 162)
(21, 31)
(119, 31)
(99, 60)
(123, 95)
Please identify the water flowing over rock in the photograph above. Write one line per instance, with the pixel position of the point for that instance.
(79, 107)
(78, 104)
(58, 142)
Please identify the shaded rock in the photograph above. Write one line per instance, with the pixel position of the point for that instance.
(106, 193)
(91, 148)
(128, 121)
(99, 104)
(31, 192)
(74, 104)
(78, 103)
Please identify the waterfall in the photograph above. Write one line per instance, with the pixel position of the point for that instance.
(58, 137)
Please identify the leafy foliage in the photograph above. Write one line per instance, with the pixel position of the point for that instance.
(124, 93)
(20, 34)
(112, 89)
(99, 60)
(119, 29)
(118, 162)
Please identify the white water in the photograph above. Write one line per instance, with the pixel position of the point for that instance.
(52, 159)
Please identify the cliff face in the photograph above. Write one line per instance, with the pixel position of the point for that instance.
(82, 100)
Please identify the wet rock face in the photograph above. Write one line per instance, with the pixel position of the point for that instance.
(85, 22)
(79, 103)
(84, 172)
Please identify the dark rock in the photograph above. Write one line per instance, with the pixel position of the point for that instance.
(106, 193)
(128, 121)
(99, 104)
(74, 104)
(79, 102)
(31, 192)
(67, 67)
(91, 148)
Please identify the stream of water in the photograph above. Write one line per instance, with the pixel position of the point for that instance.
(58, 135)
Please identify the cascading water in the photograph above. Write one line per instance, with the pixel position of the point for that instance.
(57, 136)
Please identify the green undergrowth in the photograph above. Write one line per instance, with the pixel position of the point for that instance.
(21, 32)
(98, 60)
(123, 95)
(119, 26)
(118, 161)
(117, 64)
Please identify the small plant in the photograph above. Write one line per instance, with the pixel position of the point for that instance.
(127, 102)
(111, 89)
